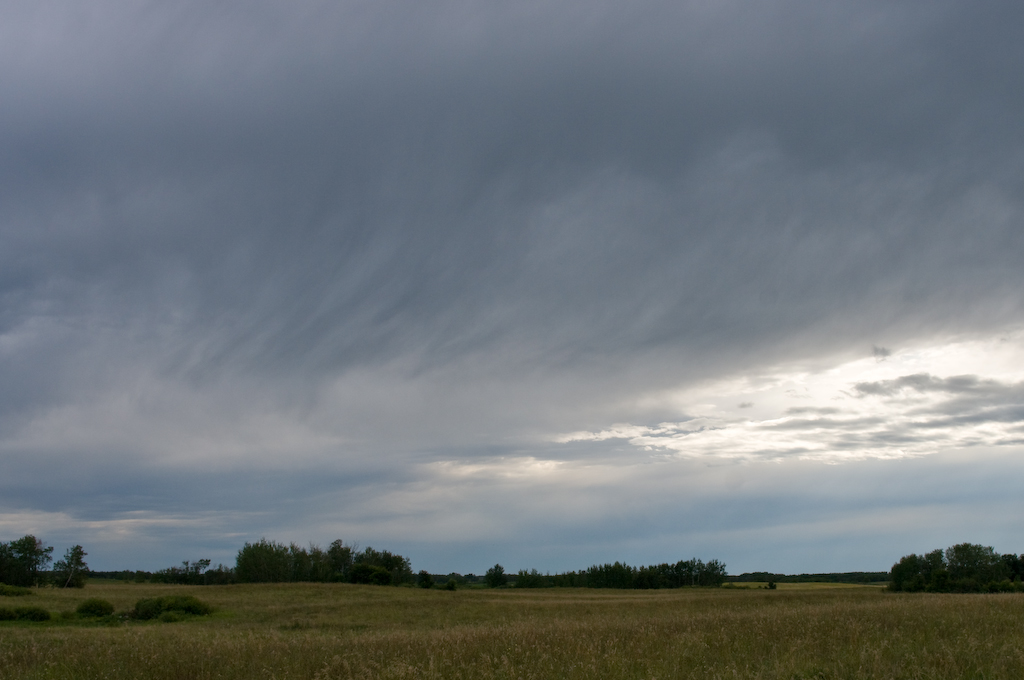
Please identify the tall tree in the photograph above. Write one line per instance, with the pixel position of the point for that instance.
(496, 576)
(70, 571)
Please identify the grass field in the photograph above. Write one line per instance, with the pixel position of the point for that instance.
(345, 631)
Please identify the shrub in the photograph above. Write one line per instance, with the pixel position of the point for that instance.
(7, 614)
(425, 580)
(366, 573)
(13, 591)
(153, 607)
(95, 607)
(32, 614)
(451, 585)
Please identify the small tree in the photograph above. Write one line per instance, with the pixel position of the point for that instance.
(71, 570)
(424, 579)
(496, 577)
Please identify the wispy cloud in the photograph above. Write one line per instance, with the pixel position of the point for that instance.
(909, 415)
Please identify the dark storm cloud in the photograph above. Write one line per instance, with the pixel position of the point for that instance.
(321, 185)
(455, 228)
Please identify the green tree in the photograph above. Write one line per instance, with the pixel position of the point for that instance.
(340, 557)
(70, 571)
(23, 562)
(496, 577)
(906, 574)
(530, 579)
(263, 562)
(968, 562)
(424, 579)
(396, 565)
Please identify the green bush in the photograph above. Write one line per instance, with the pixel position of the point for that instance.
(7, 614)
(95, 607)
(451, 585)
(32, 614)
(153, 607)
(366, 573)
(13, 591)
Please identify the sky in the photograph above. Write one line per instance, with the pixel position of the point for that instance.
(544, 284)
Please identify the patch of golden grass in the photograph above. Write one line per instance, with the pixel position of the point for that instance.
(347, 632)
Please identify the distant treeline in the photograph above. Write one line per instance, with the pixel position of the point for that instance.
(682, 574)
(271, 562)
(962, 568)
(23, 563)
(845, 577)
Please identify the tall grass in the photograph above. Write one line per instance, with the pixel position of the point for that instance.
(344, 631)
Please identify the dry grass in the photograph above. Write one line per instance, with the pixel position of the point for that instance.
(343, 631)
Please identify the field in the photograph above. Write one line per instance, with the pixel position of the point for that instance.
(346, 631)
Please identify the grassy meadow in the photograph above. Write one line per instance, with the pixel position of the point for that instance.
(346, 631)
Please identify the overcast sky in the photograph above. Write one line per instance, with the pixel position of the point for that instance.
(538, 283)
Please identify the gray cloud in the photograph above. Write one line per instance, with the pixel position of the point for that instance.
(332, 232)
(923, 382)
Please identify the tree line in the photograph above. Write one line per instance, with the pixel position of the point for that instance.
(862, 577)
(24, 563)
(272, 562)
(962, 568)
(682, 574)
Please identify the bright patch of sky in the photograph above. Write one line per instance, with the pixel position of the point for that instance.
(894, 404)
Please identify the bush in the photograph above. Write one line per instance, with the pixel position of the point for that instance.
(366, 573)
(451, 585)
(13, 591)
(425, 580)
(95, 607)
(7, 614)
(32, 614)
(154, 607)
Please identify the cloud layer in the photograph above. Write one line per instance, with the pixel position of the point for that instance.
(311, 256)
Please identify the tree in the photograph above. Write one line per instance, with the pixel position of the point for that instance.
(424, 579)
(71, 570)
(906, 574)
(396, 565)
(711, 573)
(263, 562)
(971, 562)
(340, 557)
(362, 572)
(496, 577)
(23, 562)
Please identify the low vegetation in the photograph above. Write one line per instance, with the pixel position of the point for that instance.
(170, 607)
(24, 614)
(344, 631)
(94, 607)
